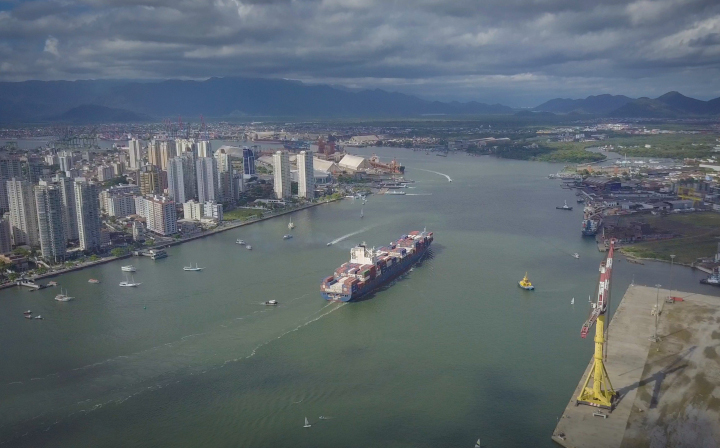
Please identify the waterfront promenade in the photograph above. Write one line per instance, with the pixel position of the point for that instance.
(223, 227)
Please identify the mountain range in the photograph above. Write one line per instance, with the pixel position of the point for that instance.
(669, 105)
(78, 101)
(108, 101)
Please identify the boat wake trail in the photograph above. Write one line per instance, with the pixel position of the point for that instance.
(344, 237)
(418, 194)
(436, 172)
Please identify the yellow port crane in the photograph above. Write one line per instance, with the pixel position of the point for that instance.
(599, 392)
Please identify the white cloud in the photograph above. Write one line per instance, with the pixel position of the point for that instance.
(51, 46)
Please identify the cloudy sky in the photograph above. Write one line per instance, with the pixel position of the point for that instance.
(517, 52)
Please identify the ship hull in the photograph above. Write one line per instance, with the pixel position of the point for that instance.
(381, 280)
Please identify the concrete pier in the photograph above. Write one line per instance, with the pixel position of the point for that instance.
(669, 391)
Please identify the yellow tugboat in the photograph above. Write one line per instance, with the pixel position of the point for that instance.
(525, 283)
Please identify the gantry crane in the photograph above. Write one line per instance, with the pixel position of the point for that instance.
(600, 392)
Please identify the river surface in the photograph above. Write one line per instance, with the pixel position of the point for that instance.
(451, 352)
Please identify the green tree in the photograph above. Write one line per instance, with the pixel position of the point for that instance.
(118, 252)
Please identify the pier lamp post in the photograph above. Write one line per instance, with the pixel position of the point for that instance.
(672, 261)
(657, 312)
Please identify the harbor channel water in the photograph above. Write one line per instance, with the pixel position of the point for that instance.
(451, 352)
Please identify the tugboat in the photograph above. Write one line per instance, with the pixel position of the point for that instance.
(564, 207)
(525, 283)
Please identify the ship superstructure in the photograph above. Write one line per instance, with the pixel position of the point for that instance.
(370, 268)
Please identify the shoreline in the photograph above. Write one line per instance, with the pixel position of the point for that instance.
(219, 229)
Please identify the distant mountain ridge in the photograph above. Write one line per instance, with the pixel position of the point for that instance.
(670, 105)
(599, 104)
(215, 97)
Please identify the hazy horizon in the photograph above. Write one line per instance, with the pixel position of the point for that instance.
(510, 52)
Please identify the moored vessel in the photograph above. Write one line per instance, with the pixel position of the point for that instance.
(713, 279)
(128, 268)
(369, 269)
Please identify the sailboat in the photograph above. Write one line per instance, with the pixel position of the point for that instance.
(576, 255)
(291, 225)
(307, 423)
(130, 283)
(477, 444)
(191, 268)
(63, 297)
(362, 214)
(572, 302)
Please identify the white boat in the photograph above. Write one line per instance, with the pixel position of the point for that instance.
(28, 312)
(272, 303)
(239, 241)
(63, 297)
(131, 283)
(477, 444)
(329, 244)
(576, 255)
(307, 423)
(572, 302)
(287, 237)
(248, 247)
(291, 225)
(38, 317)
(191, 268)
(128, 268)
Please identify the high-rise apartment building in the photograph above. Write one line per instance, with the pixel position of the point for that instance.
(67, 190)
(51, 221)
(204, 148)
(167, 152)
(118, 168)
(213, 210)
(192, 210)
(161, 215)
(176, 180)
(226, 185)
(248, 161)
(65, 160)
(87, 206)
(119, 201)
(281, 172)
(149, 180)
(5, 236)
(23, 213)
(10, 168)
(105, 172)
(154, 156)
(34, 169)
(207, 179)
(306, 175)
(135, 153)
(184, 146)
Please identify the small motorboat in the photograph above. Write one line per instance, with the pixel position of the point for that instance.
(525, 284)
(564, 207)
(329, 244)
(191, 268)
(27, 316)
(287, 237)
(248, 247)
(94, 280)
(128, 268)
(581, 201)
(239, 241)
(272, 303)
(38, 317)
(28, 312)
(52, 284)
(576, 255)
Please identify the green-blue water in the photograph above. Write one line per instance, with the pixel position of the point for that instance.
(452, 352)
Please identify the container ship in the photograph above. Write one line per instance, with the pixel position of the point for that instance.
(590, 227)
(369, 269)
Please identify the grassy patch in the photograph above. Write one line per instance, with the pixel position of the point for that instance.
(242, 213)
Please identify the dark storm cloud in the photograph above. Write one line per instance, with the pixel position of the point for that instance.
(512, 51)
